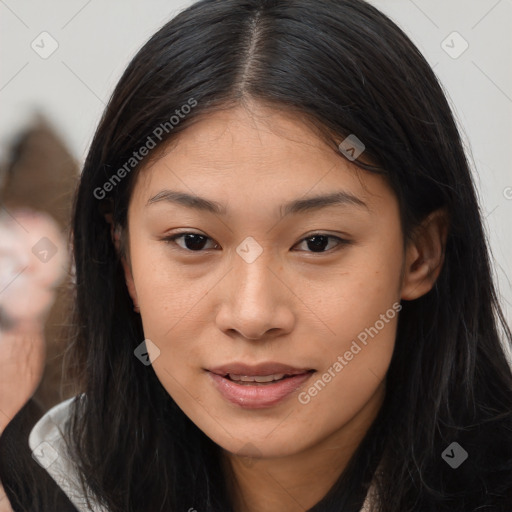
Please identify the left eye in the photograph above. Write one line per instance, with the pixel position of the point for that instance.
(195, 242)
(319, 241)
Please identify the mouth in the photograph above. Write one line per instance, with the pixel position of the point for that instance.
(258, 386)
(251, 380)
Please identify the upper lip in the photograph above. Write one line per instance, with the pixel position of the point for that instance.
(270, 368)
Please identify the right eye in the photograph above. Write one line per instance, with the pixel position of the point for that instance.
(192, 242)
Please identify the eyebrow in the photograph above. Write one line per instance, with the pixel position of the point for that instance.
(340, 198)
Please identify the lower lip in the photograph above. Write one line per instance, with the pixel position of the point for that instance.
(258, 396)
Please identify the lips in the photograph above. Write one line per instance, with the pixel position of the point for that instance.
(258, 386)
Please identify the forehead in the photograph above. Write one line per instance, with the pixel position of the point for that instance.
(255, 155)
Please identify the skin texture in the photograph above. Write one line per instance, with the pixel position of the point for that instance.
(291, 305)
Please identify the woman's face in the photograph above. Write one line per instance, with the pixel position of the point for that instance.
(269, 281)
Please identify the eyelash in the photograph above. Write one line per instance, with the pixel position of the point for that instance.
(340, 241)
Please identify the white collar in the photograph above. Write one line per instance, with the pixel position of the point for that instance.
(46, 441)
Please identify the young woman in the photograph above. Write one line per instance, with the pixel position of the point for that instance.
(284, 296)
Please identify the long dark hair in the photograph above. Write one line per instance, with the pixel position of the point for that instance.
(347, 69)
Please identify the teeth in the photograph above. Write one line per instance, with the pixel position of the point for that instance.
(257, 378)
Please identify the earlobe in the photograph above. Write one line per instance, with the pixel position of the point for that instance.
(424, 255)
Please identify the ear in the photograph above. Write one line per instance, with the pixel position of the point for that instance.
(116, 234)
(424, 255)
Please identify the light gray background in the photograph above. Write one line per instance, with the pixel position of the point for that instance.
(96, 39)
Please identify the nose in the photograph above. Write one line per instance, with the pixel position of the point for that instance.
(257, 302)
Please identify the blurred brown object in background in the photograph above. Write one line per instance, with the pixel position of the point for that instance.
(42, 175)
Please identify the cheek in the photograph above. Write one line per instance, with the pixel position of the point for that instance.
(365, 289)
(361, 310)
(173, 306)
(354, 363)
